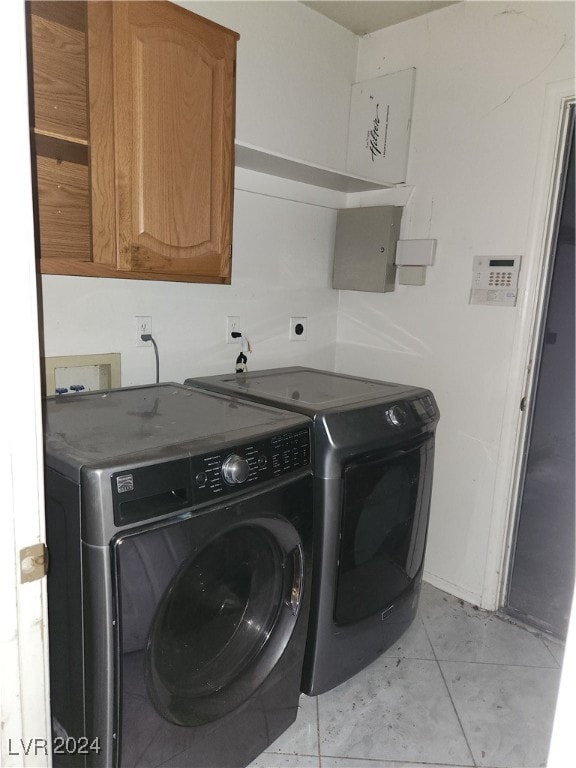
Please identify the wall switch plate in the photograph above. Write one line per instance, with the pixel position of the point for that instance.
(143, 325)
(298, 328)
(232, 326)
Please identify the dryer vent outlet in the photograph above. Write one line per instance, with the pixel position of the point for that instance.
(298, 328)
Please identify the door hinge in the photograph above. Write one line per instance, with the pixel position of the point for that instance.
(523, 404)
(33, 562)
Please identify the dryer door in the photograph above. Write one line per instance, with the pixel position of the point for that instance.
(386, 499)
(207, 606)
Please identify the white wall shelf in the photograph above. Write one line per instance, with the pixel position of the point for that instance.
(275, 175)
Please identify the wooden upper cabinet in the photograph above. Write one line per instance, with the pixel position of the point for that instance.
(60, 130)
(174, 99)
(156, 178)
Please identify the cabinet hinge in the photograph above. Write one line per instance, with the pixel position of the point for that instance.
(33, 562)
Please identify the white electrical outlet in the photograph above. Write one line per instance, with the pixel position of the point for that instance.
(232, 326)
(298, 328)
(143, 325)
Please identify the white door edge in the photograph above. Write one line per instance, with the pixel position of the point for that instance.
(24, 690)
(559, 96)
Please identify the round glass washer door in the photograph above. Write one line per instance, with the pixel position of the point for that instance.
(224, 621)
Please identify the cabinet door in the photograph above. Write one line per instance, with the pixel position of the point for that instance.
(174, 124)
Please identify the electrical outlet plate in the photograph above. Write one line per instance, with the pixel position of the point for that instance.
(232, 326)
(298, 328)
(143, 325)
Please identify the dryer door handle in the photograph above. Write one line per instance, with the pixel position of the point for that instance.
(294, 567)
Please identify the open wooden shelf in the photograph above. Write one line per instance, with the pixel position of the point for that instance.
(60, 148)
(58, 38)
(63, 209)
(60, 132)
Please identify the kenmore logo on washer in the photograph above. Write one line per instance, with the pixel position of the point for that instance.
(125, 483)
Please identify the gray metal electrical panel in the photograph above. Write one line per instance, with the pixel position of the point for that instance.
(365, 248)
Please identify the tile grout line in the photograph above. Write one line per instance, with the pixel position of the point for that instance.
(390, 763)
(506, 620)
(533, 632)
(545, 644)
(495, 664)
(318, 730)
(469, 661)
(474, 763)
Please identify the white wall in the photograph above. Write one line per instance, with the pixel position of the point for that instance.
(482, 71)
(294, 73)
(293, 86)
(282, 253)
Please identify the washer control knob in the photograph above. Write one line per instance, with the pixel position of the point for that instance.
(201, 478)
(235, 469)
(396, 416)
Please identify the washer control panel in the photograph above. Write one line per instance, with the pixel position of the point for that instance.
(425, 409)
(226, 471)
(141, 493)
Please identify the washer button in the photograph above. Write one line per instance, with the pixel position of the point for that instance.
(201, 478)
(262, 461)
(396, 416)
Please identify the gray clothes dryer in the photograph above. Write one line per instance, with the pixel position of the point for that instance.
(373, 453)
(179, 527)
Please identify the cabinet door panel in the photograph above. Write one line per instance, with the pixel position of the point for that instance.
(170, 163)
(174, 93)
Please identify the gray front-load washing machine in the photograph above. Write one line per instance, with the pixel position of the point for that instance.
(374, 452)
(179, 528)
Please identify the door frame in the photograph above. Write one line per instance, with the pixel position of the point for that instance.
(534, 287)
(24, 685)
(531, 368)
(565, 139)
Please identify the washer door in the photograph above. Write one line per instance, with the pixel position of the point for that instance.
(224, 618)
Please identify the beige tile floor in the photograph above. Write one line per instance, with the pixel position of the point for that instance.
(463, 687)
